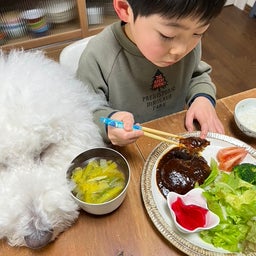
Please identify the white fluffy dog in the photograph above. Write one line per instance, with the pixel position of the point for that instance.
(45, 122)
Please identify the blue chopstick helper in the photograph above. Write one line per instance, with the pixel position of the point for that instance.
(116, 123)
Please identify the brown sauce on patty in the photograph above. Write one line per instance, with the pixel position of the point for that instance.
(181, 168)
(194, 144)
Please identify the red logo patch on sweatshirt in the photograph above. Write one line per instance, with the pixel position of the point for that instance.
(159, 81)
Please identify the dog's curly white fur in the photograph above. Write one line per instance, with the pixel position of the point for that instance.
(45, 122)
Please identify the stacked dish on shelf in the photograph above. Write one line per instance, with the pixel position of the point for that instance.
(61, 11)
(11, 25)
(2, 37)
(36, 21)
(95, 14)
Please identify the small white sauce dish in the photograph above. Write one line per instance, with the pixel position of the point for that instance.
(245, 116)
(193, 197)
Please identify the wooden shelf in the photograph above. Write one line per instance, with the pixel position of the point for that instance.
(59, 35)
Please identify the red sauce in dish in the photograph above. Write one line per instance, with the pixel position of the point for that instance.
(189, 216)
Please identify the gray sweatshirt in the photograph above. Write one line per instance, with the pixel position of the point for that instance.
(114, 67)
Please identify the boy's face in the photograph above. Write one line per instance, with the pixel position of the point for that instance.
(164, 41)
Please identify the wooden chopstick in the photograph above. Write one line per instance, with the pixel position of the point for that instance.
(154, 131)
(154, 136)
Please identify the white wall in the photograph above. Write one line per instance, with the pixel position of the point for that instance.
(241, 3)
(229, 2)
(250, 2)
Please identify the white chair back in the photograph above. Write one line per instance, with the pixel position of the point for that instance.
(70, 55)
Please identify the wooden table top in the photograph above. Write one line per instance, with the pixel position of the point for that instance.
(129, 231)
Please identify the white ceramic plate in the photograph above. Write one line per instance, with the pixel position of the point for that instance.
(156, 205)
(60, 7)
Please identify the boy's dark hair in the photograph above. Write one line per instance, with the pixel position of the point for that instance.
(205, 10)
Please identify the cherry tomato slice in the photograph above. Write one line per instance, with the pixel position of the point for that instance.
(230, 157)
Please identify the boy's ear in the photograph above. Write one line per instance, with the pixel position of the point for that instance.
(122, 9)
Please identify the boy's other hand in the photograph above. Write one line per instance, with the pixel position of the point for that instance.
(203, 111)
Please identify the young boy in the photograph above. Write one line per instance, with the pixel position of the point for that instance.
(149, 65)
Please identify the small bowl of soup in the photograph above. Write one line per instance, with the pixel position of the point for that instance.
(99, 178)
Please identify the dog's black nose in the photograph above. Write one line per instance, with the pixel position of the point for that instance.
(38, 239)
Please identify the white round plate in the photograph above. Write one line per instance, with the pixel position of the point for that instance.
(156, 205)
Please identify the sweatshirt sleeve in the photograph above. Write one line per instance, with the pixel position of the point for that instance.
(201, 82)
(89, 73)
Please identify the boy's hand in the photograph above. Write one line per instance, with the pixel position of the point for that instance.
(122, 137)
(203, 111)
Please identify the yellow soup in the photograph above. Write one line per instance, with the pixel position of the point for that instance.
(98, 182)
